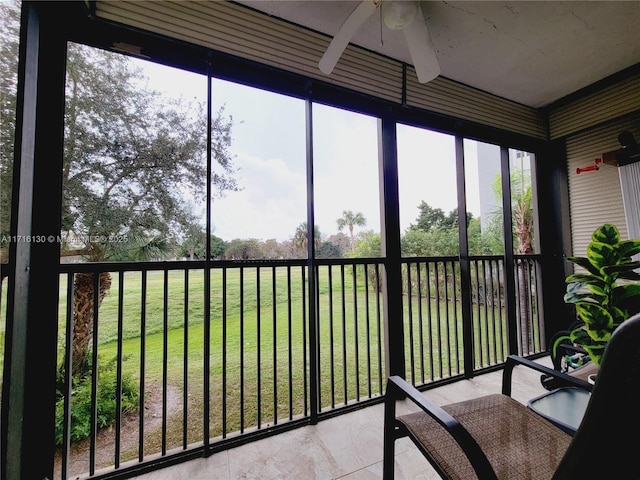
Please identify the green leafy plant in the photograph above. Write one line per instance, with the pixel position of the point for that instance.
(607, 293)
(106, 393)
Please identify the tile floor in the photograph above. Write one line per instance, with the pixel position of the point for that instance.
(347, 447)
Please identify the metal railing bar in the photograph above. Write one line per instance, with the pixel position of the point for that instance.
(420, 321)
(429, 321)
(410, 320)
(305, 340)
(92, 267)
(501, 317)
(344, 334)
(118, 426)
(331, 338)
(165, 355)
(143, 335)
(485, 343)
(68, 362)
(185, 365)
(501, 313)
(356, 341)
(456, 338)
(537, 301)
(274, 339)
(478, 345)
(493, 312)
(290, 341)
(439, 320)
(258, 350)
(206, 374)
(224, 352)
(446, 315)
(242, 419)
(94, 376)
(368, 327)
(379, 327)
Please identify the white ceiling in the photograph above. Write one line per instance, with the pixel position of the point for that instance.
(532, 52)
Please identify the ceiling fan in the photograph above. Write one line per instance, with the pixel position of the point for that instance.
(405, 15)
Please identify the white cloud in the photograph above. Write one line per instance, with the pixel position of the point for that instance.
(271, 204)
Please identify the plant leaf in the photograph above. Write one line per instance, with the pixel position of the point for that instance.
(586, 279)
(625, 291)
(597, 320)
(586, 264)
(629, 248)
(607, 234)
(629, 276)
(598, 292)
(574, 297)
(622, 267)
(602, 254)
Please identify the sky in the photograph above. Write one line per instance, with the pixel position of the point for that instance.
(270, 154)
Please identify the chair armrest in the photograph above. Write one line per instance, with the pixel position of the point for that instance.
(513, 360)
(398, 388)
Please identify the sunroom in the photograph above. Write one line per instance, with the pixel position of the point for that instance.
(208, 241)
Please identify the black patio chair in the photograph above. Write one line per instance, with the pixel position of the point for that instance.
(496, 437)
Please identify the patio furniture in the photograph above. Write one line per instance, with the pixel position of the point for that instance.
(563, 407)
(495, 436)
(567, 358)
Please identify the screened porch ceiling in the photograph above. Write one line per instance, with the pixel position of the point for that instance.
(531, 52)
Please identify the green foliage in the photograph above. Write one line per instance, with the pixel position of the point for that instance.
(328, 250)
(9, 18)
(105, 401)
(134, 160)
(194, 245)
(301, 237)
(608, 293)
(437, 241)
(436, 234)
(238, 249)
(428, 217)
(368, 245)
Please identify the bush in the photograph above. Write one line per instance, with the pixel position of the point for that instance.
(105, 400)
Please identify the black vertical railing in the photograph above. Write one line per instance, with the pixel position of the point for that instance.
(94, 377)
(185, 363)
(154, 328)
(119, 342)
(143, 336)
(67, 385)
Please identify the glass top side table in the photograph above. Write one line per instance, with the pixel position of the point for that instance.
(564, 407)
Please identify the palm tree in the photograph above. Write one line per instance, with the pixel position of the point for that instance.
(350, 219)
(84, 294)
(301, 237)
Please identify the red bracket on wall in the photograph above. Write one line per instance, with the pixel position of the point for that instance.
(590, 168)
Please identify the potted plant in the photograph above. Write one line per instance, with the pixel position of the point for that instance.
(607, 293)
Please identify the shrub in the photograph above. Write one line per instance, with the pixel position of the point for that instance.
(105, 400)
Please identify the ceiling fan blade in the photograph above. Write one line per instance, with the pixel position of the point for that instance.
(350, 26)
(421, 49)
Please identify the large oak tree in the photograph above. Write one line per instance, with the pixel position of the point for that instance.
(135, 166)
(134, 169)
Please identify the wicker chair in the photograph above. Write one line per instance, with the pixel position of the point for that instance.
(496, 437)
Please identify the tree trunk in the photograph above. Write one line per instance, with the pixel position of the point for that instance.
(83, 300)
(524, 304)
(524, 234)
